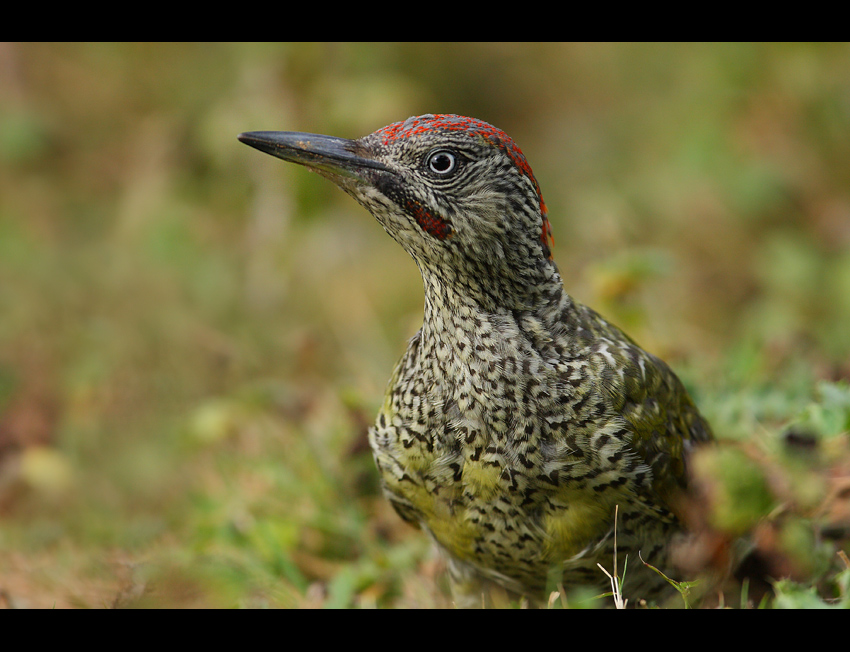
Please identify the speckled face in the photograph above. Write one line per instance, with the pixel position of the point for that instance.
(455, 192)
(457, 177)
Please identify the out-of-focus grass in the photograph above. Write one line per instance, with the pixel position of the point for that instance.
(194, 337)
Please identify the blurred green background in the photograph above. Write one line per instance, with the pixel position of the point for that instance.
(195, 336)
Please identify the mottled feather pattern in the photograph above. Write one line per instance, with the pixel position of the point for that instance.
(517, 420)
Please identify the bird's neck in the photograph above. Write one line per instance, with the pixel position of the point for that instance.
(461, 306)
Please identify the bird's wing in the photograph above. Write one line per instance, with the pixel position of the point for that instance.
(663, 420)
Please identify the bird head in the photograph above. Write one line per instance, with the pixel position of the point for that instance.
(455, 192)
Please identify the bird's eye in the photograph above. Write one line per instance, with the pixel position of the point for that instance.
(442, 162)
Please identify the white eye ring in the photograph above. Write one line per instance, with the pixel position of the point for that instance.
(442, 162)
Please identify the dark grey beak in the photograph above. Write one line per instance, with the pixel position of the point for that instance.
(327, 154)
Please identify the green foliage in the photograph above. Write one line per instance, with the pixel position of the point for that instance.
(790, 595)
(774, 506)
(829, 414)
(742, 496)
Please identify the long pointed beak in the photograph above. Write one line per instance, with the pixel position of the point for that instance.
(336, 156)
